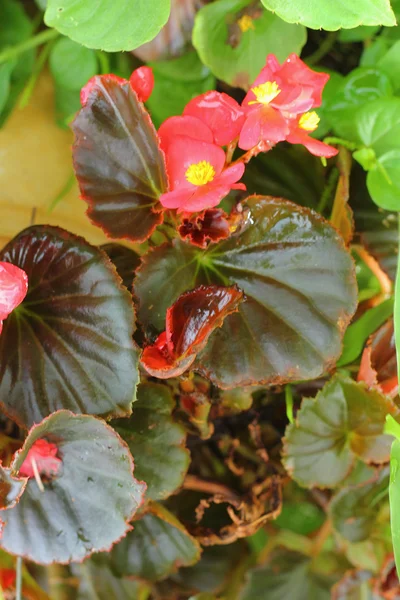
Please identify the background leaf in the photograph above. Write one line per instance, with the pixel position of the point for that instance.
(345, 420)
(96, 485)
(156, 547)
(112, 25)
(322, 14)
(237, 56)
(152, 435)
(71, 338)
(118, 163)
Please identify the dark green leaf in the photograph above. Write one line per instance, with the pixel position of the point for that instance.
(156, 547)
(237, 56)
(288, 575)
(354, 509)
(71, 64)
(111, 25)
(87, 506)
(287, 172)
(298, 281)
(125, 261)
(322, 14)
(301, 517)
(357, 333)
(118, 163)
(69, 344)
(345, 420)
(359, 88)
(176, 82)
(152, 434)
(97, 582)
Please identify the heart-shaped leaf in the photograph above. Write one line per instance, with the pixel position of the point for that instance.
(114, 24)
(189, 323)
(152, 435)
(354, 510)
(117, 160)
(299, 287)
(322, 14)
(95, 485)
(344, 421)
(69, 344)
(156, 547)
(125, 261)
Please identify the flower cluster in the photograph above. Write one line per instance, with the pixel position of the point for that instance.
(199, 144)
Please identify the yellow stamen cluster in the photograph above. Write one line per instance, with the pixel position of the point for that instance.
(200, 173)
(245, 23)
(265, 92)
(309, 121)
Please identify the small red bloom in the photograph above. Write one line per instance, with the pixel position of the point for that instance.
(13, 289)
(279, 94)
(141, 81)
(188, 126)
(197, 177)
(7, 578)
(210, 225)
(44, 455)
(299, 130)
(220, 112)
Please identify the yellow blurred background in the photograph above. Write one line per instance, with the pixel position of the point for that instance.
(35, 166)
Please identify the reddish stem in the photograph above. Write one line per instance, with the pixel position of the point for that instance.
(247, 156)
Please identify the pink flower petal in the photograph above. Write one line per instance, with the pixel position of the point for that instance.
(182, 152)
(189, 126)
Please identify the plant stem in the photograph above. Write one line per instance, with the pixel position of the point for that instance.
(18, 582)
(328, 190)
(33, 42)
(289, 402)
(340, 141)
(37, 69)
(397, 308)
(323, 49)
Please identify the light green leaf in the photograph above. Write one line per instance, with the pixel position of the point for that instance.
(110, 25)
(324, 14)
(383, 181)
(344, 421)
(390, 64)
(377, 125)
(236, 55)
(71, 64)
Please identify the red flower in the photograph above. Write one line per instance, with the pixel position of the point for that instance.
(13, 288)
(279, 94)
(220, 112)
(7, 578)
(141, 81)
(188, 126)
(196, 173)
(43, 456)
(299, 130)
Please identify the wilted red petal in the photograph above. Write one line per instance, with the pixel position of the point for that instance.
(189, 323)
(378, 367)
(210, 225)
(142, 82)
(220, 112)
(44, 454)
(13, 288)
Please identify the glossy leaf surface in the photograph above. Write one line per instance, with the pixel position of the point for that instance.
(114, 24)
(157, 546)
(95, 485)
(118, 163)
(152, 434)
(71, 337)
(344, 421)
(298, 282)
